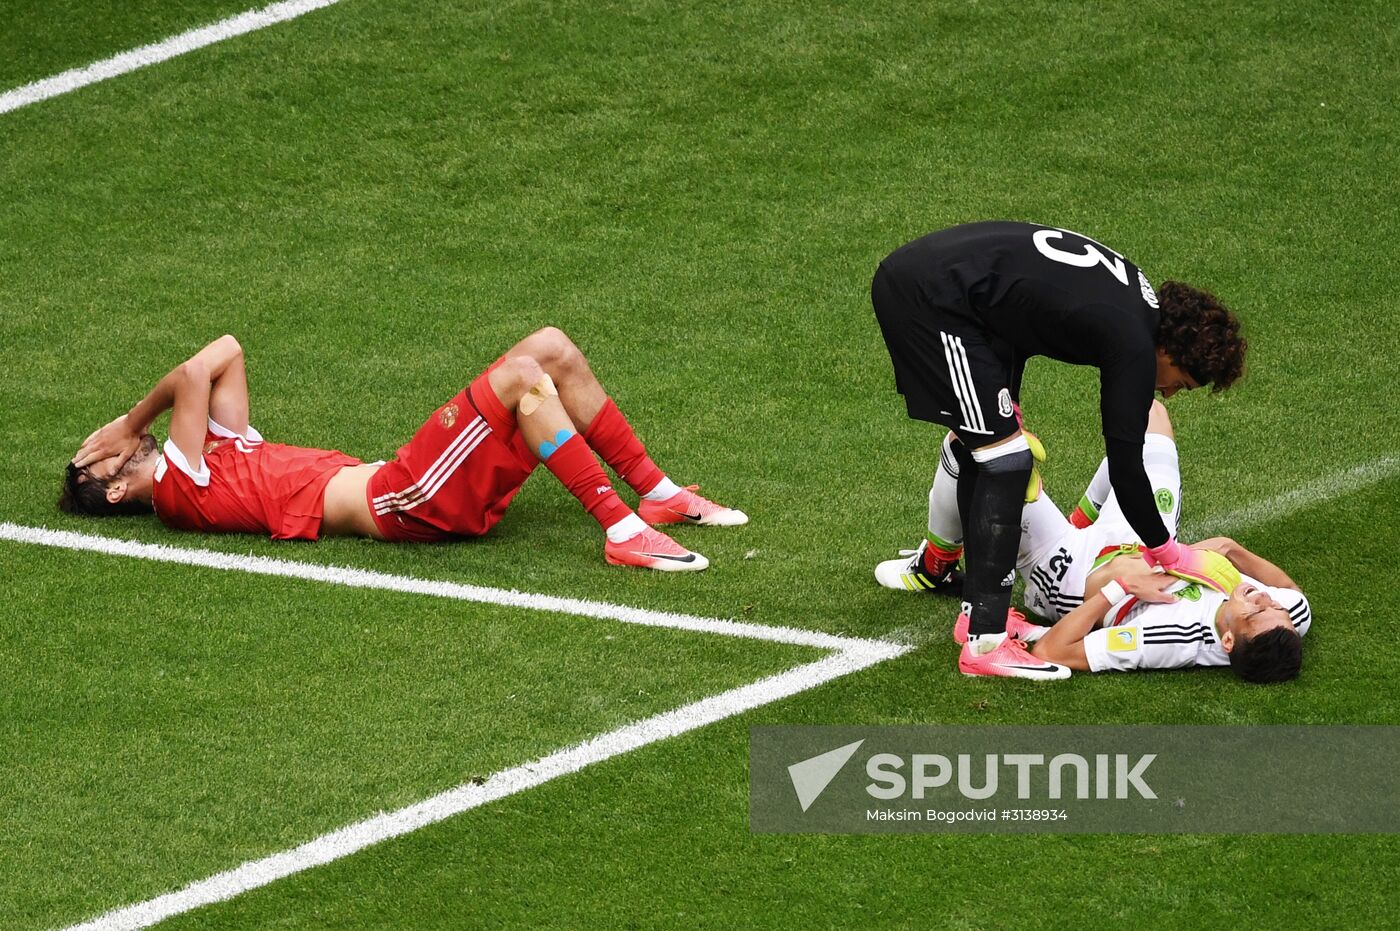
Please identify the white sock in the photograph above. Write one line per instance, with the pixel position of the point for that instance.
(985, 643)
(626, 529)
(1099, 487)
(944, 519)
(664, 489)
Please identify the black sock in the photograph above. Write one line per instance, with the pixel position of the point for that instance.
(993, 538)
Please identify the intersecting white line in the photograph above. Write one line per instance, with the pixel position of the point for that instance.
(850, 654)
(156, 52)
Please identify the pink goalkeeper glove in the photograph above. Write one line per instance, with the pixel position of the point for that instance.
(1202, 566)
(1167, 555)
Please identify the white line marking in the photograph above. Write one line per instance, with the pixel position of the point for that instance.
(355, 837)
(1313, 493)
(157, 52)
(852, 654)
(364, 578)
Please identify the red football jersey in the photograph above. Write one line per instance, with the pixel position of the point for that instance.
(245, 485)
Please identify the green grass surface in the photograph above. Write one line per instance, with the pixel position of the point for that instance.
(175, 721)
(43, 39)
(379, 197)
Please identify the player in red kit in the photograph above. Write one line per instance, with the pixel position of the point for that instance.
(537, 404)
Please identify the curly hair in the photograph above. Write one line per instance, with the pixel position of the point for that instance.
(1200, 335)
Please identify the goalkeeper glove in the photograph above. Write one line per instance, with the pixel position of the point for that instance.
(1033, 487)
(1205, 567)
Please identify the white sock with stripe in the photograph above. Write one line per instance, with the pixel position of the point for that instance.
(1099, 487)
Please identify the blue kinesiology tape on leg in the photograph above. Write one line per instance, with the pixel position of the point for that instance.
(548, 448)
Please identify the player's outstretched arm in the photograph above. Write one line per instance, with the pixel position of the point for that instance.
(1064, 644)
(187, 388)
(1251, 564)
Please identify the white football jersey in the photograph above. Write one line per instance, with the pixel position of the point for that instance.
(1055, 557)
(1055, 582)
(1177, 635)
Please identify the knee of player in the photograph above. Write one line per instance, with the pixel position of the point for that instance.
(517, 374)
(554, 350)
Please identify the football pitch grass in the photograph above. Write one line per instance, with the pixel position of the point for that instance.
(379, 197)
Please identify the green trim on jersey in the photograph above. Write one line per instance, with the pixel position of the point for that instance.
(1126, 549)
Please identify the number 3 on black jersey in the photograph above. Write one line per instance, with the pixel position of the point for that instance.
(1090, 257)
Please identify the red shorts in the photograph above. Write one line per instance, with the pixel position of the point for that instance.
(457, 475)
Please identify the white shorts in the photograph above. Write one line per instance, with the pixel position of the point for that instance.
(1056, 557)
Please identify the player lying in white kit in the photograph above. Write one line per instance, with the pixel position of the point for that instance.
(1108, 603)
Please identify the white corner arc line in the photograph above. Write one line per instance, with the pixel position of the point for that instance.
(850, 655)
(157, 52)
(364, 578)
(355, 837)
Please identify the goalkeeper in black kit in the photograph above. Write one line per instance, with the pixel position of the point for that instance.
(961, 310)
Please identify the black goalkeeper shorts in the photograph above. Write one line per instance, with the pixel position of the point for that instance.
(946, 364)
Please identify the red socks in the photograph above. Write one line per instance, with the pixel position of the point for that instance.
(573, 464)
(942, 555)
(612, 438)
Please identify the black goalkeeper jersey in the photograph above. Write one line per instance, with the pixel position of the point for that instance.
(1043, 291)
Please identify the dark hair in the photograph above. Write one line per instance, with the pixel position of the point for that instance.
(1276, 655)
(83, 494)
(1200, 335)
